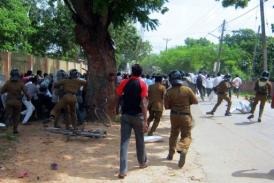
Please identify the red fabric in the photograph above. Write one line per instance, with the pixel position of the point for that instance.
(144, 88)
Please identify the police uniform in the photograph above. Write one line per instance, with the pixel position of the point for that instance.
(68, 101)
(13, 88)
(178, 99)
(156, 105)
(263, 89)
(222, 93)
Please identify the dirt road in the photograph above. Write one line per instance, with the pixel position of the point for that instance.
(93, 160)
(224, 150)
(234, 149)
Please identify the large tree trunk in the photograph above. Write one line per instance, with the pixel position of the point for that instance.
(101, 66)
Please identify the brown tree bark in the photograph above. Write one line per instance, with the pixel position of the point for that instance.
(101, 67)
(92, 34)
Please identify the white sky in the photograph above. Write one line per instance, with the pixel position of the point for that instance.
(196, 18)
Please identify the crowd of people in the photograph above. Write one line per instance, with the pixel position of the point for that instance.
(177, 93)
(48, 96)
(41, 93)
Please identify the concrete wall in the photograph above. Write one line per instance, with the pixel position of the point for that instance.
(26, 62)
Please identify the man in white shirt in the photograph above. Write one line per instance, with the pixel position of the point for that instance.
(237, 82)
(209, 84)
(217, 80)
(200, 84)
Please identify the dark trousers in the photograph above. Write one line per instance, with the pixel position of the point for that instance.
(44, 102)
(222, 97)
(208, 91)
(262, 99)
(201, 91)
(129, 122)
(12, 112)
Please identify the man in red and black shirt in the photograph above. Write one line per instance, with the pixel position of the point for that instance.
(134, 92)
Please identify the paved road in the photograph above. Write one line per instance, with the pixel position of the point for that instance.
(234, 149)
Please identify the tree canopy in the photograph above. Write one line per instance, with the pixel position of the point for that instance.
(235, 3)
(129, 45)
(15, 26)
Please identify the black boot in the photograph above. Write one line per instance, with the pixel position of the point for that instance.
(250, 116)
(210, 113)
(227, 114)
(169, 157)
(182, 159)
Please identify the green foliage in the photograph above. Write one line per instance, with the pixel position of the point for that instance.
(236, 61)
(243, 38)
(54, 36)
(190, 58)
(200, 54)
(235, 3)
(246, 40)
(15, 26)
(117, 13)
(201, 41)
(270, 54)
(129, 45)
(139, 11)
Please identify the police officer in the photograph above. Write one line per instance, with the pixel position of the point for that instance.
(156, 93)
(222, 91)
(14, 87)
(263, 91)
(68, 101)
(58, 92)
(178, 99)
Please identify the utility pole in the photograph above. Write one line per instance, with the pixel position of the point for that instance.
(166, 40)
(263, 35)
(255, 50)
(220, 48)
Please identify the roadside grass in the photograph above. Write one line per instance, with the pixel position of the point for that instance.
(246, 94)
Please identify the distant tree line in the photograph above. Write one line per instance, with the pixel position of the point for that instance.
(237, 56)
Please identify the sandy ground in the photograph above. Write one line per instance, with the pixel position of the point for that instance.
(92, 160)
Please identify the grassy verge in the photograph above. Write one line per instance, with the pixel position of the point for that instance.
(245, 93)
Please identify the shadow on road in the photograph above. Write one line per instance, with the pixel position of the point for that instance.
(211, 117)
(246, 123)
(251, 174)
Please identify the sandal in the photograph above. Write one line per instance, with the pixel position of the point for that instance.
(144, 165)
(121, 175)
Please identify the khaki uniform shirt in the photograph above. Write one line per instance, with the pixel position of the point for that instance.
(179, 99)
(156, 94)
(14, 89)
(223, 87)
(266, 90)
(70, 85)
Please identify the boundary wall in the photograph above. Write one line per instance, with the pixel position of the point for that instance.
(23, 62)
